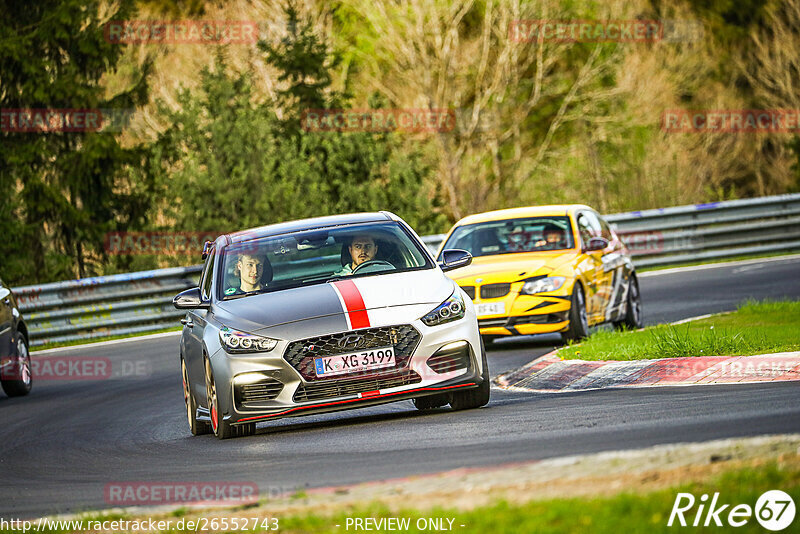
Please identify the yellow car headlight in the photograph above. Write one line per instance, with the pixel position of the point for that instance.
(543, 285)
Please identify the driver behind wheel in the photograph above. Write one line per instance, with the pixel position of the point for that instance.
(362, 249)
(554, 237)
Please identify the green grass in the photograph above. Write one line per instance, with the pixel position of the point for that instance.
(755, 328)
(101, 339)
(719, 260)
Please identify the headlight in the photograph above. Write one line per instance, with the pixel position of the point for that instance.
(235, 341)
(452, 309)
(543, 285)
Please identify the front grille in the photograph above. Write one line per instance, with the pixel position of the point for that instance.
(301, 354)
(248, 395)
(330, 389)
(486, 323)
(494, 291)
(469, 290)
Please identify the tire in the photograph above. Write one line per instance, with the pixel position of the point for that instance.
(197, 428)
(578, 328)
(221, 428)
(20, 380)
(475, 397)
(430, 402)
(632, 320)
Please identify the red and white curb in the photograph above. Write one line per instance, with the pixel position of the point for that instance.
(552, 374)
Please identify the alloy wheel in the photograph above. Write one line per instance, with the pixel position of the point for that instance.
(211, 395)
(24, 362)
(186, 392)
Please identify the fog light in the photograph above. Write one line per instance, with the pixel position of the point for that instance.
(249, 378)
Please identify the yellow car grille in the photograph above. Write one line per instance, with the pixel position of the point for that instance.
(494, 291)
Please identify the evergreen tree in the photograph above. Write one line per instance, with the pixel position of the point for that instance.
(63, 190)
(230, 163)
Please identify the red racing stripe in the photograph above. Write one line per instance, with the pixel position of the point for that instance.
(354, 303)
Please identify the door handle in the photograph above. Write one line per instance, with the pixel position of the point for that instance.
(187, 322)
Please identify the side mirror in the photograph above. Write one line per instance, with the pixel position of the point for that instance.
(596, 243)
(454, 258)
(189, 300)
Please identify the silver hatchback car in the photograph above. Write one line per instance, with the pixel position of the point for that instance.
(326, 314)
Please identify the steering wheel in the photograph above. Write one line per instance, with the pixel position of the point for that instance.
(373, 266)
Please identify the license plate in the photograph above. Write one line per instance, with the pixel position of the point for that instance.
(354, 362)
(490, 308)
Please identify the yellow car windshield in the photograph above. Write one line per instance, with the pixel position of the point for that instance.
(529, 234)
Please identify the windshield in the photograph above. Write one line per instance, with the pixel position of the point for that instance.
(317, 256)
(530, 234)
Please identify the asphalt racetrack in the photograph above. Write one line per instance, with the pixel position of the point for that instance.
(67, 440)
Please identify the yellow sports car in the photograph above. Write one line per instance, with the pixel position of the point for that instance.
(545, 269)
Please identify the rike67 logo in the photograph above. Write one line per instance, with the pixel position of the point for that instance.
(774, 510)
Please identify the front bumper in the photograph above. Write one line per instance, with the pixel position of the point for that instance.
(290, 387)
(373, 398)
(526, 314)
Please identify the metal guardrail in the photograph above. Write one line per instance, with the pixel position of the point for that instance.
(142, 301)
(104, 305)
(717, 230)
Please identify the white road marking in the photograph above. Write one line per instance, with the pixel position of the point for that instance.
(107, 343)
(749, 268)
(717, 265)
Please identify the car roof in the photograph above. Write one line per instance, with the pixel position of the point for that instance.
(528, 211)
(310, 224)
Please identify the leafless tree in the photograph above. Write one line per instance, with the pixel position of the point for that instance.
(465, 55)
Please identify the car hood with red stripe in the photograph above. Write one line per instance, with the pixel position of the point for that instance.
(347, 304)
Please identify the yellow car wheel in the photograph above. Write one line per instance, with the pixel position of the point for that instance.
(578, 323)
